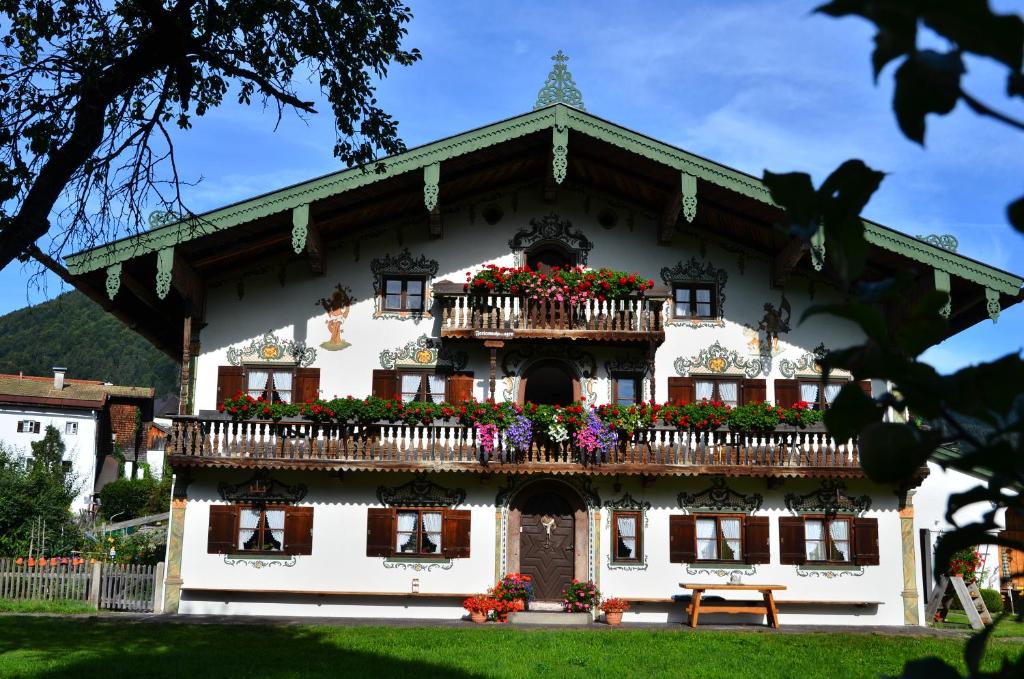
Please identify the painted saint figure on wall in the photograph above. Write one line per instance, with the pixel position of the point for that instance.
(337, 307)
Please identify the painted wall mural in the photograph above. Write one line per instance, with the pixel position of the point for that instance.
(423, 351)
(337, 306)
(718, 360)
(271, 349)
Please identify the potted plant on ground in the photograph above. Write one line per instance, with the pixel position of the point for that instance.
(478, 606)
(613, 610)
(580, 597)
(511, 594)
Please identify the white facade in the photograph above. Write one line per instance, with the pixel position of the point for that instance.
(78, 429)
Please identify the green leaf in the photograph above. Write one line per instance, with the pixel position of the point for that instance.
(1015, 212)
(896, 23)
(795, 193)
(927, 82)
(850, 412)
(892, 451)
(974, 27)
(974, 650)
(925, 327)
(986, 389)
(843, 196)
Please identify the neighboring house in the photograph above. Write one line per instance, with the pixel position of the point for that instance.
(352, 284)
(91, 417)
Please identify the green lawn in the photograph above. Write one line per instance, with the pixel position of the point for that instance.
(1007, 627)
(61, 606)
(56, 647)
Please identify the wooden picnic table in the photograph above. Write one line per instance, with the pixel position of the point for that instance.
(767, 606)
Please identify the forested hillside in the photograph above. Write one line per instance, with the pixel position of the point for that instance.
(73, 331)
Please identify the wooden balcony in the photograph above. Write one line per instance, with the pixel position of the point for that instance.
(506, 317)
(660, 451)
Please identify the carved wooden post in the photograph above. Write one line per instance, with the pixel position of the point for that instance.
(493, 345)
(186, 372)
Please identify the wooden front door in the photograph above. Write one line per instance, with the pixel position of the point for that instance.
(546, 545)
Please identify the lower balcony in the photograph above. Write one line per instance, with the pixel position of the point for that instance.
(657, 451)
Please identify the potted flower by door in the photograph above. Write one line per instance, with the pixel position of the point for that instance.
(580, 597)
(613, 610)
(511, 594)
(478, 606)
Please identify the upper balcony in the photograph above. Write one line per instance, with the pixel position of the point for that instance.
(215, 441)
(506, 317)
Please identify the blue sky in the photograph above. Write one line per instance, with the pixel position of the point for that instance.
(751, 84)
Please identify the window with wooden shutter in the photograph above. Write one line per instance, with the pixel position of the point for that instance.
(792, 549)
(681, 390)
(682, 538)
(753, 391)
(222, 532)
(787, 392)
(298, 530)
(455, 541)
(865, 542)
(865, 386)
(385, 383)
(307, 385)
(460, 387)
(380, 530)
(755, 539)
(230, 382)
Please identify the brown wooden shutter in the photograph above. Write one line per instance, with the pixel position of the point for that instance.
(385, 383)
(380, 528)
(792, 547)
(682, 538)
(681, 390)
(755, 539)
(753, 391)
(223, 529)
(787, 392)
(298, 530)
(865, 542)
(460, 388)
(230, 381)
(865, 386)
(455, 538)
(307, 385)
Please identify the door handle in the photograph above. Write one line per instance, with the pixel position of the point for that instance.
(569, 548)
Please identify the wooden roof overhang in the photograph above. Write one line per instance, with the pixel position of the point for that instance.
(155, 279)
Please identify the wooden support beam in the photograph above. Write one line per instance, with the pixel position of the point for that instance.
(493, 345)
(315, 250)
(143, 292)
(786, 260)
(190, 286)
(436, 223)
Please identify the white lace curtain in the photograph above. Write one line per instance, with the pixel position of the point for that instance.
(831, 391)
(839, 531)
(411, 386)
(809, 392)
(283, 384)
(814, 536)
(437, 383)
(626, 526)
(248, 523)
(432, 532)
(731, 533)
(707, 539)
(406, 540)
(257, 382)
(704, 390)
(727, 392)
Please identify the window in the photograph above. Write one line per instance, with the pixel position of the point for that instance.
(70, 428)
(718, 538)
(29, 426)
(626, 389)
(403, 293)
(418, 532)
(546, 258)
(260, 529)
(692, 300)
(819, 398)
(422, 386)
(726, 391)
(626, 536)
(272, 385)
(827, 540)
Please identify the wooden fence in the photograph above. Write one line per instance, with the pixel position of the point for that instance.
(116, 587)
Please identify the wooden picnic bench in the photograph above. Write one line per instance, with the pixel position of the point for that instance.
(767, 606)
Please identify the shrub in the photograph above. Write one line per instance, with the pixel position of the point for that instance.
(126, 499)
(993, 600)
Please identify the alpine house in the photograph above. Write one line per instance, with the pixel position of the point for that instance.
(541, 346)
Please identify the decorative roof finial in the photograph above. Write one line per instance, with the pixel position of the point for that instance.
(559, 88)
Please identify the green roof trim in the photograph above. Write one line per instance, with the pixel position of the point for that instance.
(556, 116)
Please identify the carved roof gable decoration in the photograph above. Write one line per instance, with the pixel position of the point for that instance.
(830, 498)
(261, 488)
(946, 241)
(559, 88)
(420, 492)
(695, 271)
(809, 365)
(718, 360)
(720, 496)
(551, 230)
(402, 264)
(423, 352)
(628, 503)
(271, 349)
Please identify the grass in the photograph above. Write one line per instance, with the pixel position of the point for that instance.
(1007, 627)
(59, 606)
(48, 647)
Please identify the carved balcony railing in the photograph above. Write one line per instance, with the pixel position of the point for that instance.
(512, 316)
(453, 447)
